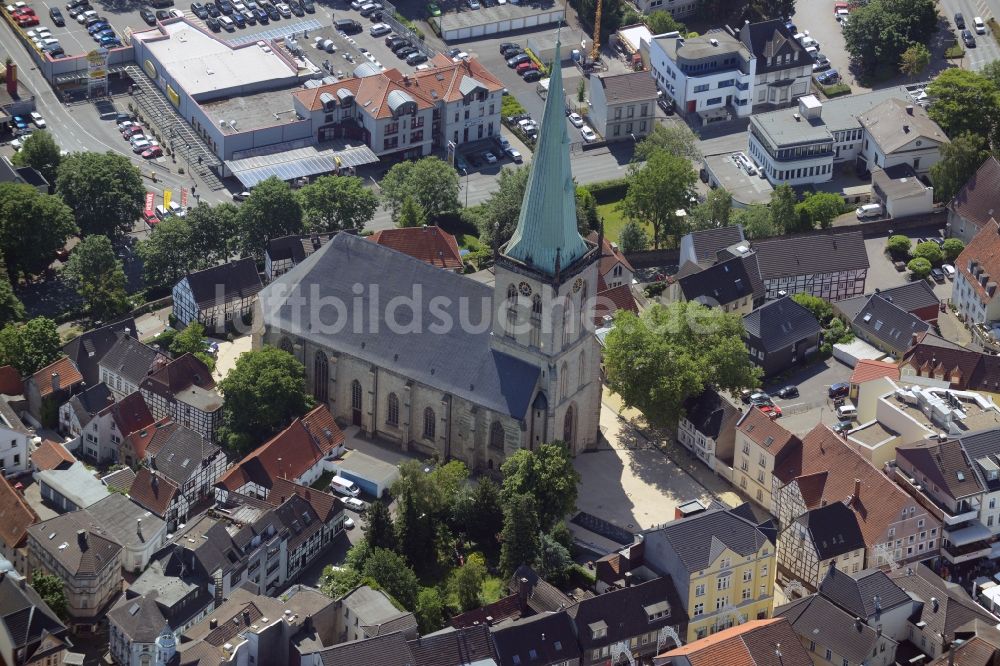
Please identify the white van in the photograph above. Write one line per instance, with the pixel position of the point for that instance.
(869, 211)
(344, 486)
(847, 412)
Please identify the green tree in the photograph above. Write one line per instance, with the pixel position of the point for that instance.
(657, 360)
(820, 308)
(991, 70)
(773, 9)
(965, 102)
(756, 221)
(391, 573)
(898, 246)
(431, 182)
(675, 139)
(336, 582)
(498, 214)
(554, 561)
(919, 267)
(334, 203)
(835, 334)
(914, 60)
(547, 476)
(520, 534)
(881, 31)
(415, 533)
(819, 209)
(30, 346)
(98, 277)
(104, 190)
(714, 212)
(479, 512)
(167, 253)
(379, 532)
(192, 341)
(11, 308)
(632, 237)
(581, 92)
(410, 214)
(960, 159)
(660, 22)
(263, 393)
(657, 190)
(52, 591)
(41, 153)
(952, 247)
(467, 582)
(783, 215)
(930, 251)
(33, 227)
(429, 610)
(271, 211)
(212, 234)
(587, 219)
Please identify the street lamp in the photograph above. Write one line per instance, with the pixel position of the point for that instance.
(466, 172)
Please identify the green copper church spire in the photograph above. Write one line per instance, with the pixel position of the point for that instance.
(546, 237)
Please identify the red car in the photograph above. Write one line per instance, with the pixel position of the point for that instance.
(26, 21)
(150, 218)
(23, 11)
(131, 131)
(773, 411)
(150, 153)
(525, 67)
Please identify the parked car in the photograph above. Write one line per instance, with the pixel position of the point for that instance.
(473, 4)
(354, 504)
(513, 154)
(575, 119)
(517, 60)
(532, 75)
(980, 27)
(839, 390)
(37, 119)
(88, 15)
(842, 426)
(773, 411)
(20, 122)
(284, 10)
(949, 271)
(760, 398)
(416, 58)
(249, 17)
(959, 21)
(588, 134)
(829, 78)
(968, 39)
(821, 63)
(198, 9)
(433, 9)
(98, 27)
(153, 152)
(525, 66)
(57, 17)
(27, 20)
(392, 41)
(308, 6)
(148, 16)
(379, 29)
(490, 157)
(406, 52)
(511, 51)
(241, 196)
(141, 146)
(213, 24)
(938, 275)
(213, 10)
(18, 143)
(262, 16)
(162, 14)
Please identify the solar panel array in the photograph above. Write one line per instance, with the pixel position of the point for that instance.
(299, 163)
(276, 31)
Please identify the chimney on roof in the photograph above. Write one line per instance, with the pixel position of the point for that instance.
(246, 617)
(81, 539)
(628, 579)
(138, 527)
(55, 381)
(934, 604)
(909, 109)
(857, 489)
(906, 129)
(522, 593)
(213, 623)
(128, 332)
(913, 339)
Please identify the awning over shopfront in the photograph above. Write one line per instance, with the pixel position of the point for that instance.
(299, 163)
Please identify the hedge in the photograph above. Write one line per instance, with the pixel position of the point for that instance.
(608, 191)
(541, 68)
(836, 90)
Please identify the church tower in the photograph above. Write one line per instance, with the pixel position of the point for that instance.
(546, 285)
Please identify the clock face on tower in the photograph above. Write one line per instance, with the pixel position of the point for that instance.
(524, 288)
(577, 285)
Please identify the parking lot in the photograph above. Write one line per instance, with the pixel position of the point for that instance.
(825, 29)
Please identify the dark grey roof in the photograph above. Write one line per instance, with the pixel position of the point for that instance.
(698, 541)
(461, 647)
(139, 618)
(980, 445)
(911, 296)
(708, 242)
(788, 256)
(771, 39)
(888, 323)
(834, 530)
(817, 619)
(239, 279)
(388, 650)
(458, 361)
(708, 412)
(87, 349)
(86, 405)
(850, 307)
(296, 248)
(780, 324)
(120, 480)
(130, 358)
(547, 638)
(10, 418)
(625, 612)
(752, 266)
(954, 607)
(720, 284)
(542, 596)
(181, 455)
(86, 555)
(24, 615)
(119, 517)
(862, 594)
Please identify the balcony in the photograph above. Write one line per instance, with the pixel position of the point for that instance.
(960, 554)
(969, 542)
(959, 518)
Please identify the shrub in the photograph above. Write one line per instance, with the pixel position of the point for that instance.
(898, 246)
(954, 51)
(511, 106)
(952, 248)
(836, 90)
(655, 289)
(919, 267)
(608, 191)
(930, 251)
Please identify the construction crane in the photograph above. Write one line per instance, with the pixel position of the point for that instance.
(595, 51)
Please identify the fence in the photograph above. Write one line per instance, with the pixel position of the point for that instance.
(389, 17)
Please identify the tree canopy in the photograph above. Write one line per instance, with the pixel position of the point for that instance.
(657, 189)
(40, 152)
(899, 246)
(547, 477)
(520, 534)
(52, 591)
(104, 190)
(393, 575)
(960, 159)
(263, 393)
(819, 307)
(756, 221)
(33, 227)
(914, 60)
(334, 203)
(965, 102)
(498, 214)
(203, 238)
(675, 139)
(880, 32)
(432, 183)
(819, 209)
(11, 308)
(783, 215)
(271, 211)
(30, 346)
(930, 251)
(919, 267)
(633, 237)
(192, 341)
(952, 247)
(657, 360)
(98, 277)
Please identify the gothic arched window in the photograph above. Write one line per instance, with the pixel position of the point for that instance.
(356, 395)
(392, 413)
(497, 435)
(321, 377)
(430, 423)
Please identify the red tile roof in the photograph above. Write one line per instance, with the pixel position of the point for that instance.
(977, 200)
(50, 455)
(867, 370)
(65, 368)
(130, 413)
(611, 254)
(749, 644)
(984, 249)
(153, 493)
(10, 381)
(832, 468)
(611, 301)
(768, 434)
(324, 504)
(289, 454)
(506, 608)
(16, 516)
(140, 439)
(429, 244)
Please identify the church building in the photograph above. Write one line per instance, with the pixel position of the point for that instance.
(443, 364)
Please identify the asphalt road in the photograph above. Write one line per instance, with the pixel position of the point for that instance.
(986, 49)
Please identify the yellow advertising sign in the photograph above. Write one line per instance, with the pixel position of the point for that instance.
(166, 198)
(172, 95)
(150, 69)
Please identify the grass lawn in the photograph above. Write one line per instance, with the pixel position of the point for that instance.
(469, 242)
(614, 220)
(323, 482)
